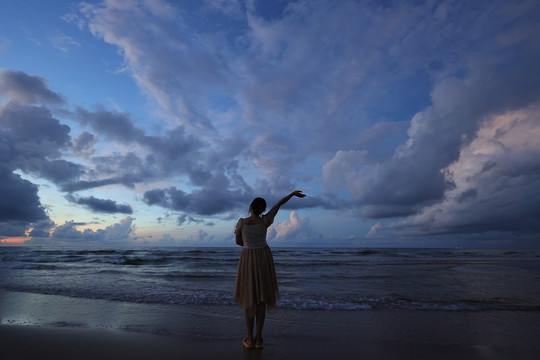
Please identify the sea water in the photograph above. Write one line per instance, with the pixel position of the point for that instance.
(309, 278)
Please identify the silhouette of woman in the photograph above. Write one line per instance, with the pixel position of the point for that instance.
(256, 287)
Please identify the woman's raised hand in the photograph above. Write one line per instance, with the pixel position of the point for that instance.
(298, 193)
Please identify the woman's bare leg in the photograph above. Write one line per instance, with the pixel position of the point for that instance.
(249, 326)
(261, 313)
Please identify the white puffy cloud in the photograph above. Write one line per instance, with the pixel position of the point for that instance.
(295, 230)
(67, 234)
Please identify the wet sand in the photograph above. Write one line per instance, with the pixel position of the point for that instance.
(30, 342)
(37, 327)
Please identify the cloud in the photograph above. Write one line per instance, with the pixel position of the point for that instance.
(100, 205)
(63, 42)
(41, 229)
(34, 124)
(113, 125)
(474, 78)
(153, 156)
(115, 234)
(20, 205)
(5, 44)
(232, 8)
(373, 230)
(184, 218)
(296, 230)
(495, 179)
(27, 89)
(32, 140)
(126, 180)
(344, 162)
(383, 105)
(200, 238)
(210, 200)
(169, 45)
(61, 171)
(414, 178)
(83, 145)
(207, 67)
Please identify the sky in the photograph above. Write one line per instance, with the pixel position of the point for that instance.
(153, 122)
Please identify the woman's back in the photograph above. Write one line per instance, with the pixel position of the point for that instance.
(254, 236)
(254, 231)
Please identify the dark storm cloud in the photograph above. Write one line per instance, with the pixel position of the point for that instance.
(32, 140)
(61, 171)
(32, 124)
(41, 229)
(126, 180)
(100, 205)
(27, 89)
(20, 205)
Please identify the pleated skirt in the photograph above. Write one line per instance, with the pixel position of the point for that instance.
(256, 281)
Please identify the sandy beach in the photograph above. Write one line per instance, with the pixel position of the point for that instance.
(36, 327)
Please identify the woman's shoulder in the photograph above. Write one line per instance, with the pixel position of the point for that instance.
(239, 225)
(267, 220)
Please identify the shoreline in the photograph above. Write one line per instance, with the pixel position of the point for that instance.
(36, 326)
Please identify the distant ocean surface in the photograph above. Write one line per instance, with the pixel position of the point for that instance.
(309, 278)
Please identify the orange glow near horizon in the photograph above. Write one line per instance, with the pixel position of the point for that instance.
(15, 240)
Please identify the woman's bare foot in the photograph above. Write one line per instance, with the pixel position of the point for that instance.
(248, 343)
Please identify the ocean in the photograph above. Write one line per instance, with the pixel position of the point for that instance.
(310, 279)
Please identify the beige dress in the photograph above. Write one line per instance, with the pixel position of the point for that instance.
(256, 281)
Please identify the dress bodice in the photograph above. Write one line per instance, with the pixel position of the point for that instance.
(254, 236)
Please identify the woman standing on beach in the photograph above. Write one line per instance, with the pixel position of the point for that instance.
(256, 285)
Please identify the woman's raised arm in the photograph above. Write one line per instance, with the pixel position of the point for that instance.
(272, 213)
